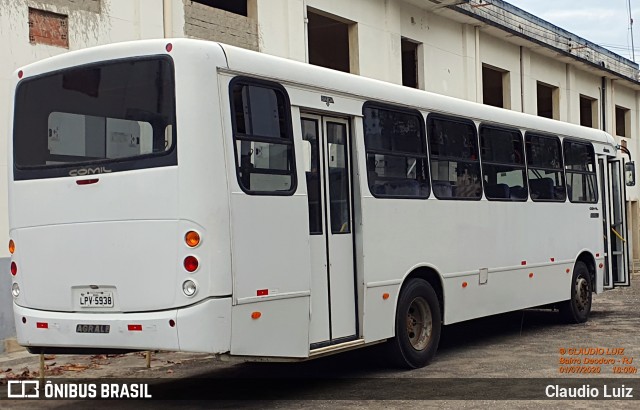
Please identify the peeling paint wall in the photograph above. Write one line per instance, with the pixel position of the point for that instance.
(213, 24)
(84, 5)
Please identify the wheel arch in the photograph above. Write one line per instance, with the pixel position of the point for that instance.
(431, 275)
(586, 257)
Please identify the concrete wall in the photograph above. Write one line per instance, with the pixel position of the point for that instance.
(208, 23)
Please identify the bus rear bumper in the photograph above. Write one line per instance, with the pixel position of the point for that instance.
(204, 327)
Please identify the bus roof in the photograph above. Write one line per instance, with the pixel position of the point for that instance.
(289, 71)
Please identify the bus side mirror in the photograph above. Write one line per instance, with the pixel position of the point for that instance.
(630, 173)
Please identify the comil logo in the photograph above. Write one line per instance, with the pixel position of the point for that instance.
(23, 389)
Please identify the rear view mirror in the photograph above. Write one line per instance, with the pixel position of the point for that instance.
(630, 173)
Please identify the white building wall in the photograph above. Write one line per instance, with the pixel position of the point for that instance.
(445, 69)
(504, 56)
(587, 84)
(551, 72)
(627, 98)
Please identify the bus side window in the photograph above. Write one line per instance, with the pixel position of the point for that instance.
(546, 173)
(263, 138)
(503, 168)
(453, 146)
(396, 152)
(580, 170)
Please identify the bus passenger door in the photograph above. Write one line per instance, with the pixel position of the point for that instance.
(327, 158)
(618, 252)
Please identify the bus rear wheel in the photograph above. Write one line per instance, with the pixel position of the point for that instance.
(417, 326)
(577, 309)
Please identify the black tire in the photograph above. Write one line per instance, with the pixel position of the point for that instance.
(577, 309)
(415, 344)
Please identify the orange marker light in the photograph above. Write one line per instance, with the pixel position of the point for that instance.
(255, 315)
(464, 284)
(192, 239)
(385, 296)
(12, 246)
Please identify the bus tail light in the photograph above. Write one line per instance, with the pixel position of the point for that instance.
(191, 263)
(192, 239)
(14, 269)
(189, 288)
(134, 328)
(12, 246)
(42, 325)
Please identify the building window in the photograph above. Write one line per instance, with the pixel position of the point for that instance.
(548, 103)
(396, 152)
(495, 87)
(329, 42)
(455, 166)
(232, 6)
(263, 137)
(588, 112)
(623, 122)
(48, 28)
(410, 66)
(580, 167)
(546, 172)
(503, 168)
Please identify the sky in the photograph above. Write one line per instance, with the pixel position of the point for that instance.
(603, 22)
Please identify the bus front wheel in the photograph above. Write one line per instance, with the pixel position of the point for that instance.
(577, 309)
(417, 326)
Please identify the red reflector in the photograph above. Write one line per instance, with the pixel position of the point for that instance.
(597, 255)
(87, 181)
(553, 259)
(134, 328)
(262, 292)
(169, 47)
(42, 325)
(14, 269)
(190, 263)
(20, 74)
(523, 263)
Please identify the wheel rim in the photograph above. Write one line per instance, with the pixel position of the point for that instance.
(419, 323)
(582, 294)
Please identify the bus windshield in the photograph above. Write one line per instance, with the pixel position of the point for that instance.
(118, 113)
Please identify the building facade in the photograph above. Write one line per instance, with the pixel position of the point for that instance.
(486, 51)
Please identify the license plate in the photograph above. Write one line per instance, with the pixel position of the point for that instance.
(93, 328)
(96, 299)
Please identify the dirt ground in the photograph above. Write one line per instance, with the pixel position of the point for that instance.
(506, 360)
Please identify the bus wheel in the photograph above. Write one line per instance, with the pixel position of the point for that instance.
(577, 309)
(417, 326)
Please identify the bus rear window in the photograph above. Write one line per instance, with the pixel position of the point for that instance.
(118, 114)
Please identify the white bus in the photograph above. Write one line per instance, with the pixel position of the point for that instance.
(192, 196)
